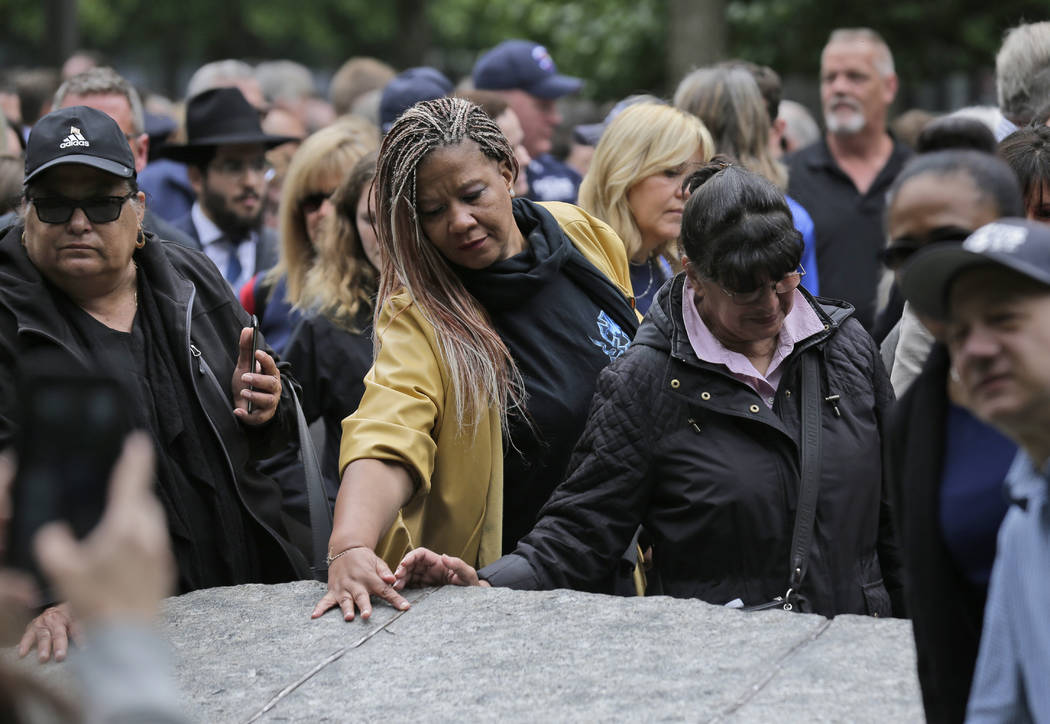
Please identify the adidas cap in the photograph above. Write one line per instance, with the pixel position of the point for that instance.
(79, 135)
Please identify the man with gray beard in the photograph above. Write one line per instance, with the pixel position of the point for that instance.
(842, 179)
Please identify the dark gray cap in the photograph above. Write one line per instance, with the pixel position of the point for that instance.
(1019, 245)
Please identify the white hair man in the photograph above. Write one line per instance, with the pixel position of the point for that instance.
(1022, 76)
(842, 179)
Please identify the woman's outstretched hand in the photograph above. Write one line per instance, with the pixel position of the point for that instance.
(352, 578)
(423, 567)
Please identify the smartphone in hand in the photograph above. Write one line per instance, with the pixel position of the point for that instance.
(255, 348)
(72, 431)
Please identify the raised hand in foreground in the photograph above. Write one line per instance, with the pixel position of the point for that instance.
(119, 572)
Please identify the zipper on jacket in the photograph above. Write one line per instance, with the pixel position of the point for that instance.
(205, 371)
(200, 361)
(833, 400)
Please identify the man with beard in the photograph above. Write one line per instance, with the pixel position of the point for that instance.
(842, 180)
(226, 158)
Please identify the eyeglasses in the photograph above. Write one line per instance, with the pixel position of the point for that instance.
(788, 283)
(98, 209)
(312, 202)
(238, 167)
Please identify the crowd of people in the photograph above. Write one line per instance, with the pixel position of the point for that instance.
(709, 352)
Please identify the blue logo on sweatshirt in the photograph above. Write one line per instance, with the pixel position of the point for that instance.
(614, 341)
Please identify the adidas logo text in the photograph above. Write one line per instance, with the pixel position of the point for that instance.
(75, 138)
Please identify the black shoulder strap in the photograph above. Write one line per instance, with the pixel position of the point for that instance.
(809, 486)
(317, 499)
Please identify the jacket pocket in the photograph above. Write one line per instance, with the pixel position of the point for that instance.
(877, 599)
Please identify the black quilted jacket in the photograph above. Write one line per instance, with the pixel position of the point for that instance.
(682, 447)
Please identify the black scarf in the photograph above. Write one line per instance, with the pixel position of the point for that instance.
(548, 304)
(509, 283)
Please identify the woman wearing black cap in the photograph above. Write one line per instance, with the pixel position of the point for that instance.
(81, 283)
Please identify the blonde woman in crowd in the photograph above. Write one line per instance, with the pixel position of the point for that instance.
(318, 167)
(635, 184)
(331, 349)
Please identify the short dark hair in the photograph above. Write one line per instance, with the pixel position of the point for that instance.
(955, 132)
(1027, 151)
(992, 178)
(737, 228)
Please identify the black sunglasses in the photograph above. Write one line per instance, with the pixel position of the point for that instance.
(98, 209)
(312, 202)
(894, 256)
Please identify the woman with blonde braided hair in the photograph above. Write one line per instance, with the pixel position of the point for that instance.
(494, 317)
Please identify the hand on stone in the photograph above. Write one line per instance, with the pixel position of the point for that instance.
(423, 567)
(50, 633)
(352, 579)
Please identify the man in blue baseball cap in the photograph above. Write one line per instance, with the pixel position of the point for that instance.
(993, 291)
(524, 73)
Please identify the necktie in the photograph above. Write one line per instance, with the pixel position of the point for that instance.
(233, 266)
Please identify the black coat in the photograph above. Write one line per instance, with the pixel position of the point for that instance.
(196, 302)
(947, 610)
(330, 363)
(682, 447)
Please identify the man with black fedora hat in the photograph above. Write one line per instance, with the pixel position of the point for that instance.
(993, 291)
(225, 154)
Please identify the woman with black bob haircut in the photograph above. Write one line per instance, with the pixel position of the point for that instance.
(710, 431)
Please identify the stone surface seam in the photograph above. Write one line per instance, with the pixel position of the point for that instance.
(331, 659)
(761, 684)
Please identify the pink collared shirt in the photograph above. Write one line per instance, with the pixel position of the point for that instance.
(800, 323)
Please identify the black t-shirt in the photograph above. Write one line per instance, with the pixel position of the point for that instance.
(847, 224)
(213, 540)
(562, 326)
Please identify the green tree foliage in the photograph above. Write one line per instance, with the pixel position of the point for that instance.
(929, 40)
(618, 45)
(615, 44)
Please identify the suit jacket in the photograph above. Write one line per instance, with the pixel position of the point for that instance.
(947, 610)
(266, 250)
(165, 230)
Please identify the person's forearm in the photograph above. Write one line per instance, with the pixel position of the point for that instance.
(370, 495)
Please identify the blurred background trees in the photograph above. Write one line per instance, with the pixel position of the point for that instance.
(944, 52)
